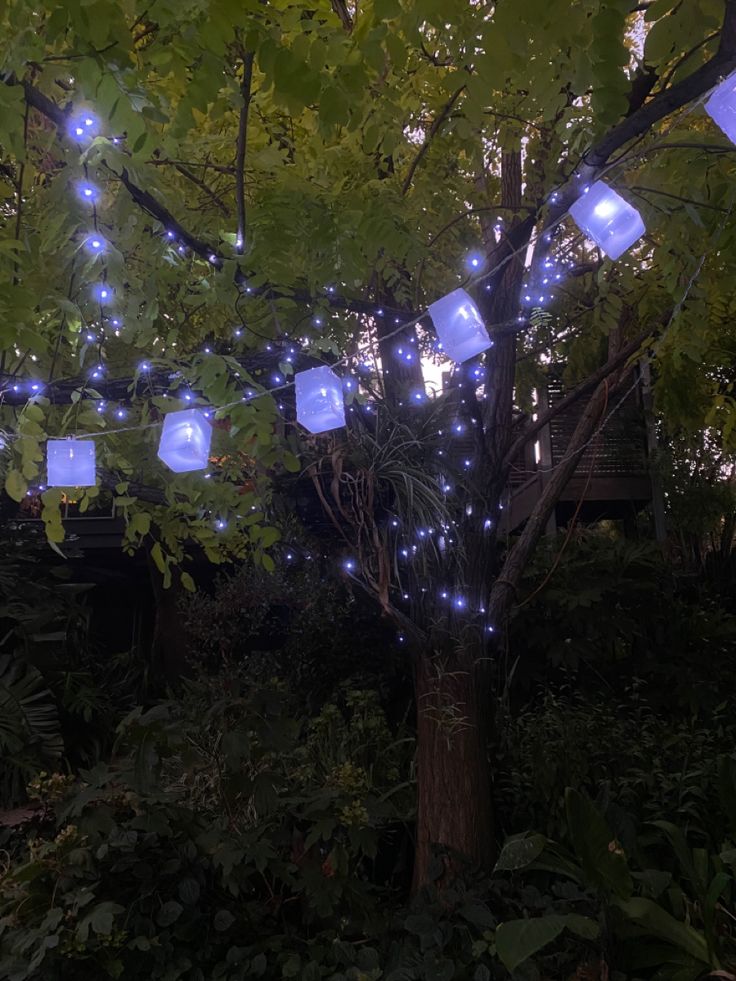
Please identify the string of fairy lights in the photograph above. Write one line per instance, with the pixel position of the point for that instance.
(600, 212)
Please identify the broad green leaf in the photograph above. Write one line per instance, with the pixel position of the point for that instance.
(15, 485)
(520, 852)
(517, 940)
(659, 923)
(602, 858)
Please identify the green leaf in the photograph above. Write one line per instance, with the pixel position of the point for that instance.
(189, 891)
(583, 926)
(224, 919)
(520, 852)
(659, 923)
(334, 106)
(292, 966)
(139, 523)
(158, 557)
(291, 462)
(386, 9)
(602, 859)
(15, 485)
(517, 940)
(420, 924)
(100, 919)
(269, 536)
(727, 788)
(188, 583)
(169, 913)
(478, 914)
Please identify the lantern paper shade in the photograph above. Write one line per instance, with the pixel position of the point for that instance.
(459, 326)
(604, 216)
(721, 106)
(319, 403)
(185, 441)
(70, 463)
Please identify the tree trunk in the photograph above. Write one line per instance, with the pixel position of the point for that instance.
(169, 645)
(454, 804)
(454, 799)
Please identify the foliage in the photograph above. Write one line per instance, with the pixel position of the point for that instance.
(233, 838)
(662, 904)
(212, 845)
(61, 700)
(298, 624)
(698, 478)
(30, 735)
(602, 607)
(340, 102)
(647, 765)
(229, 836)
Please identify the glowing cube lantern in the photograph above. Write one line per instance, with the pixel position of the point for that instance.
(70, 463)
(319, 402)
(604, 216)
(459, 326)
(185, 441)
(721, 106)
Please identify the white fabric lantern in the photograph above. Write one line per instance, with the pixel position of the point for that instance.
(612, 223)
(459, 326)
(319, 402)
(721, 106)
(70, 463)
(185, 441)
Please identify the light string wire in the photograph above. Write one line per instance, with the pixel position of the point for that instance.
(472, 282)
(345, 361)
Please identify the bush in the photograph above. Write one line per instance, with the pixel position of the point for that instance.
(231, 839)
(611, 610)
(619, 749)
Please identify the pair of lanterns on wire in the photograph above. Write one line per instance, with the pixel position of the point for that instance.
(460, 330)
(184, 446)
(610, 221)
(187, 434)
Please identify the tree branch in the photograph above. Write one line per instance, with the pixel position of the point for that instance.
(678, 197)
(246, 94)
(433, 130)
(591, 382)
(688, 54)
(340, 8)
(643, 119)
(505, 586)
(201, 184)
(666, 102)
(472, 211)
(152, 206)
(166, 162)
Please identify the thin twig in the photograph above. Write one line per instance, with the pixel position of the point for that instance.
(246, 95)
(205, 187)
(433, 130)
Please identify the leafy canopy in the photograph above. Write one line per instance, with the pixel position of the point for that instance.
(371, 153)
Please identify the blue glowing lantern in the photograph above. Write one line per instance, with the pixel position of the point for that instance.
(185, 441)
(721, 106)
(459, 326)
(319, 402)
(612, 223)
(70, 463)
